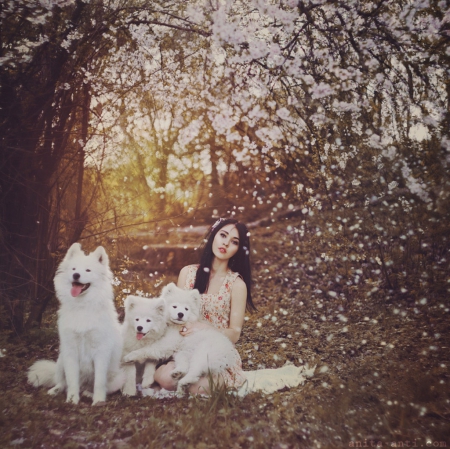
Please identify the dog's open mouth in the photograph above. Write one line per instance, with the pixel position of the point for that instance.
(140, 335)
(78, 288)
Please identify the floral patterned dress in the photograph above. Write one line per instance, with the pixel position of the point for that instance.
(216, 309)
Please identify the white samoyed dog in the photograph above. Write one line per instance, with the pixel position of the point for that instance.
(144, 323)
(89, 330)
(200, 353)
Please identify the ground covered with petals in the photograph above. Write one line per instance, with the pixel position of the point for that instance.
(381, 377)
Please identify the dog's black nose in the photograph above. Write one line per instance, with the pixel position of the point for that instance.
(139, 328)
(76, 276)
(180, 315)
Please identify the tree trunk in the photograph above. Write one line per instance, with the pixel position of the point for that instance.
(216, 187)
(81, 217)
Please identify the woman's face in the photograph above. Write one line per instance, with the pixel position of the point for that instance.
(226, 242)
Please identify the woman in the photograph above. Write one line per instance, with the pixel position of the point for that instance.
(223, 277)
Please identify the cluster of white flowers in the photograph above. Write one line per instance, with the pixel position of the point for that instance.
(321, 90)
(414, 185)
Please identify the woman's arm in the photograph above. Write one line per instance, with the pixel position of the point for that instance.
(182, 277)
(237, 313)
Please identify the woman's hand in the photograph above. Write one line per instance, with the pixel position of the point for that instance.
(190, 328)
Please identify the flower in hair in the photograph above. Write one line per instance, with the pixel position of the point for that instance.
(217, 223)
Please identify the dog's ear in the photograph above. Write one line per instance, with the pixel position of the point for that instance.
(129, 303)
(168, 289)
(160, 306)
(195, 294)
(75, 248)
(101, 256)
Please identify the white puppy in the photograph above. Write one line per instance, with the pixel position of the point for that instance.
(144, 323)
(200, 353)
(89, 330)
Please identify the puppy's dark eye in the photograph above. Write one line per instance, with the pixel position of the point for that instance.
(137, 319)
(88, 270)
(148, 321)
(186, 309)
(73, 268)
(174, 307)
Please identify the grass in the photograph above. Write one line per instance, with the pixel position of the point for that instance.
(381, 379)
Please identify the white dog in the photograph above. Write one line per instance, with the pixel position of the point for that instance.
(202, 352)
(88, 327)
(144, 323)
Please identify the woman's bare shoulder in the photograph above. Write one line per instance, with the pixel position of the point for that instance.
(239, 285)
(184, 274)
(186, 268)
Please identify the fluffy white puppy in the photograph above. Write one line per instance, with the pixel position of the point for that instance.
(89, 330)
(200, 353)
(144, 323)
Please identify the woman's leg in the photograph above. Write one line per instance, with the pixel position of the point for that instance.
(202, 386)
(164, 378)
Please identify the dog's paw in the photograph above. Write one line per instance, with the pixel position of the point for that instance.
(177, 375)
(129, 389)
(73, 398)
(53, 391)
(182, 389)
(99, 398)
(132, 357)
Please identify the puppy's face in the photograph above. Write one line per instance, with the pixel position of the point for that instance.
(143, 324)
(181, 305)
(181, 312)
(146, 315)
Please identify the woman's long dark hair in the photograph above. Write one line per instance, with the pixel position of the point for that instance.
(239, 263)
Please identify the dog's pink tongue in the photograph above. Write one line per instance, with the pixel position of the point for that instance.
(140, 336)
(76, 290)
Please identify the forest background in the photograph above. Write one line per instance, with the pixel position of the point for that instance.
(123, 122)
